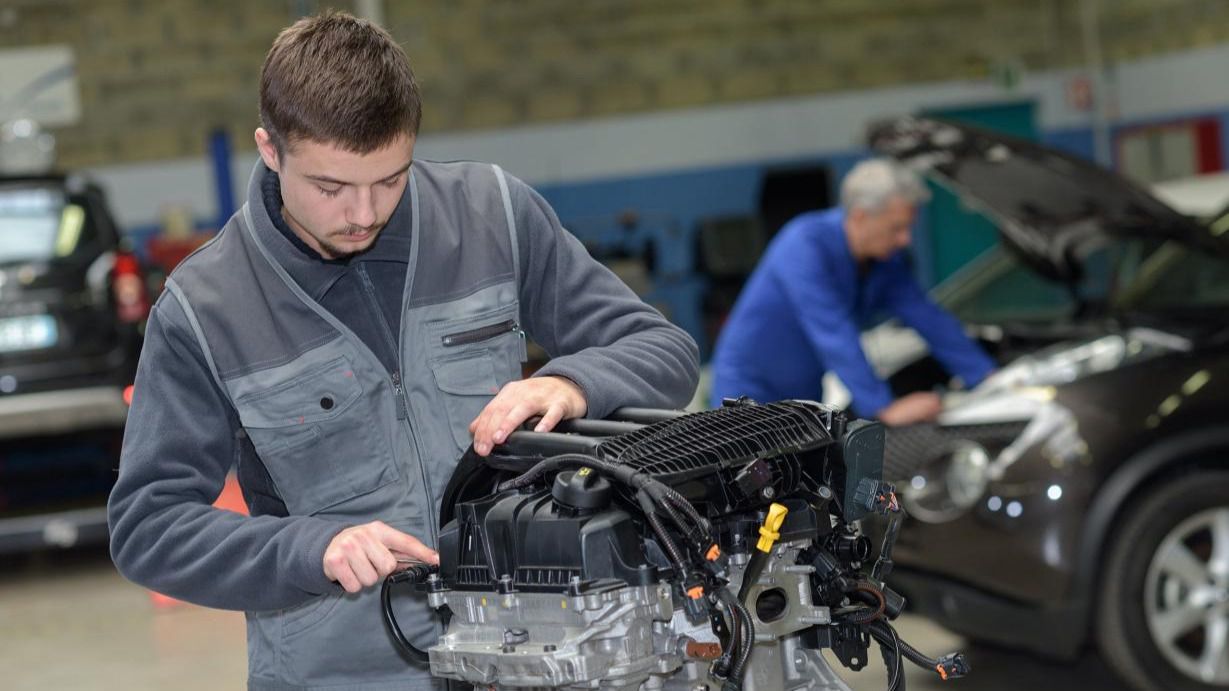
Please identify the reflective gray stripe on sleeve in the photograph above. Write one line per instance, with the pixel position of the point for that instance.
(503, 191)
(177, 292)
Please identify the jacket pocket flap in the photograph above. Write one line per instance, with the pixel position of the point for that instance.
(319, 394)
(467, 376)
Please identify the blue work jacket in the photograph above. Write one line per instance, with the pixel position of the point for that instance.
(802, 311)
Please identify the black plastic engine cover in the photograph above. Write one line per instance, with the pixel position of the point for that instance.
(541, 546)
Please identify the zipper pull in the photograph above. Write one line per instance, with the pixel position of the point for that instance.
(402, 412)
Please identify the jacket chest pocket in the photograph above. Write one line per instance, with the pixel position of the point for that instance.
(471, 359)
(315, 433)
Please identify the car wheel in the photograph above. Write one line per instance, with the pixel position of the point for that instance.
(1163, 613)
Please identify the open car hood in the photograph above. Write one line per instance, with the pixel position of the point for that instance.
(1051, 208)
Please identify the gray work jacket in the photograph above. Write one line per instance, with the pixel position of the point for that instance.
(243, 367)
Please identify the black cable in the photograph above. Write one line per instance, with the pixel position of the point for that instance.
(656, 493)
(678, 500)
(677, 519)
(667, 543)
(918, 658)
(731, 646)
(742, 640)
(865, 615)
(900, 664)
(413, 574)
(541, 467)
(883, 566)
(889, 646)
(740, 666)
(886, 634)
(882, 628)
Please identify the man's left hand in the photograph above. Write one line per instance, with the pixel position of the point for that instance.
(554, 398)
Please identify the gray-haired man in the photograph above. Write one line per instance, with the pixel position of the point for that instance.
(822, 277)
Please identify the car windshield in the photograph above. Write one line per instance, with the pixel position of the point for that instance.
(1178, 278)
(998, 287)
(1128, 275)
(36, 223)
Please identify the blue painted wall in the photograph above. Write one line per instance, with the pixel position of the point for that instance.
(669, 206)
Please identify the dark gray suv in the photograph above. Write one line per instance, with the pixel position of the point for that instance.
(1080, 495)
(73, 303)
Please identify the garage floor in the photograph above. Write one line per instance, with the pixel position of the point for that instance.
(69, 621)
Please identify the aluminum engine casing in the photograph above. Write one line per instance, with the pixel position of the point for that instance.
(626, 638)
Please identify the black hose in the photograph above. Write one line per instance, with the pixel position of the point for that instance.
(881, 630)
(917, 657)
(742, 639)
(740, 665)
(667, 543)
(646, 489)
(866, 615)
(733, 645)
(886, 636)
(677, 519)
(657, 493)
(623, 474)
(678, 500)
(883, 566)
(541, 468)
(889, 646)
(414, 574)
(697, 534)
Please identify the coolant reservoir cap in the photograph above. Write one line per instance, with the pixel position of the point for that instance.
(581, 489)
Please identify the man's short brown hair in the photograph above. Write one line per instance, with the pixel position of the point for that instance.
(340, 80)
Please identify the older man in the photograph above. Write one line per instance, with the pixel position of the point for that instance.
(824, 276)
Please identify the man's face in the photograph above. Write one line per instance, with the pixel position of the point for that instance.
(335, 200)
(884, 232)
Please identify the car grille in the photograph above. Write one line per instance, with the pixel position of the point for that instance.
(909, 448)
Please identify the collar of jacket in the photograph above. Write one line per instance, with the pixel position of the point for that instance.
(316, 274)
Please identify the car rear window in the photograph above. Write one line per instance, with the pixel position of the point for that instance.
(37, 223)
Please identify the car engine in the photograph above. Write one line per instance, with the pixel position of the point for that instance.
(661, 550)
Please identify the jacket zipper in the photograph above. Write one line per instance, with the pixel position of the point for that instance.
(403, 407)
(481, 333)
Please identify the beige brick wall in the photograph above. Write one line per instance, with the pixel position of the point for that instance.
(157, 76)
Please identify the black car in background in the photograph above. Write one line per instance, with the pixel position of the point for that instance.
(73, 304)
(1080, 495)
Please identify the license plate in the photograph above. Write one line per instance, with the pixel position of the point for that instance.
(27, 333)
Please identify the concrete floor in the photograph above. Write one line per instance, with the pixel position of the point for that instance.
(69, 621)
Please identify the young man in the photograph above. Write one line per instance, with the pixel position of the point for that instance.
(341, 341)
(824, 274)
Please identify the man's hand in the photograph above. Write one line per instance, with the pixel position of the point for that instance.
(554, 398)
(922, 406)
(361, 556)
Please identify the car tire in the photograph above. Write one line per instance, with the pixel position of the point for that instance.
(1149, 583)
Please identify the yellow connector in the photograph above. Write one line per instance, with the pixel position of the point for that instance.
(769, 532)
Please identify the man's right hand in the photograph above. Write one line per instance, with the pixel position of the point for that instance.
(361, 556)
(922, 406)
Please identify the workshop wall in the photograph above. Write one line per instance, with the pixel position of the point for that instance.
(156, 76)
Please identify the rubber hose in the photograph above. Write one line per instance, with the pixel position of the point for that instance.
(414, 574)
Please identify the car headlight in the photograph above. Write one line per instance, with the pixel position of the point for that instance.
(950, 485)
(966, 474)
(1066, 362)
